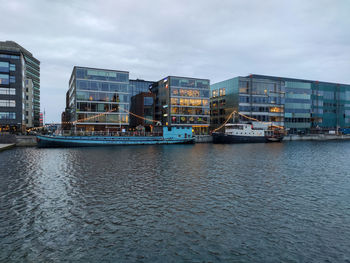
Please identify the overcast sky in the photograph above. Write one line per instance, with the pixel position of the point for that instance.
(204, 38)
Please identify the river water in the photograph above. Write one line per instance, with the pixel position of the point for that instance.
(286, 202)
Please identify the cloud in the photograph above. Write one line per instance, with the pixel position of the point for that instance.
(206, 39)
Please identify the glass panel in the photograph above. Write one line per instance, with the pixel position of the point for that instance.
(4, 79)
(7, 103)
(7, 115)
(7, 91)
(4, 66)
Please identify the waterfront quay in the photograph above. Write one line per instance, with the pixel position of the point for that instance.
(282, 202)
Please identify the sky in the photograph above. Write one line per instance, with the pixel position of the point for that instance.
(209, 39)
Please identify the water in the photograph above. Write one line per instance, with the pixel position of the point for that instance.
(285, 202)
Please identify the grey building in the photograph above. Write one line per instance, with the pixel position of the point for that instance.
(19, 88)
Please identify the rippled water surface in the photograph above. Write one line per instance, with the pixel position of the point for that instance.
(285, 202)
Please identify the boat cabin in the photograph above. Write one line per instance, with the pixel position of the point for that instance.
(174, 132)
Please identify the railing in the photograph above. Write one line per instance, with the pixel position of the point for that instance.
(104, 133)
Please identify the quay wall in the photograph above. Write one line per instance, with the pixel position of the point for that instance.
(7, 138)
(25, 141)
(4, 147)
(203, 139)
(316, 137)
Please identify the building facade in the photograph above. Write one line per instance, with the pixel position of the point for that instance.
(254, 98)
(298, 105)
(19, 88)
(143, 106)
(98, 99)
(182, 101)
(137, 86)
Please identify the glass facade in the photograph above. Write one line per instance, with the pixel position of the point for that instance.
(7, 115)
(298, 105)
(99, 99)
(260, 99)
(138, 86)
(183, 102)
(330, 109)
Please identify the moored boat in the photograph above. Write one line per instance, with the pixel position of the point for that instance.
(246, 133)
(169, 135)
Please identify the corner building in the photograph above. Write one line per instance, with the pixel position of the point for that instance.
(182, 101)
(261, 99)
(19, 88)
(98, 99)
(299, 105)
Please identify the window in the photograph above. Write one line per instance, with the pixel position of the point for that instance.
(7, 91)
(222, 92)
(7, 103)
(4, 79)
(12, 79)
(9, 56)
(4, 66)
(7, 115)
(12, 67)
(148, 101)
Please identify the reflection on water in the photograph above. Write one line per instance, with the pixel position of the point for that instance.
(204, 202)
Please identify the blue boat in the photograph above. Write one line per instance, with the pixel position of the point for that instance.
(169, 135)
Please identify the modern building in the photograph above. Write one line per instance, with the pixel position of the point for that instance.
(300, 106)
(137, 86)
(257, 98)
(182, 101)
(142, 110)
(28, 110)
(98, 99)
(19, 88)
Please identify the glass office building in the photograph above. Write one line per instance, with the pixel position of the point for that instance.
(138, 86)
(330, 109)
(19, 88)
(258, 98)
(183, 101)
(300, 106)
(98, 99)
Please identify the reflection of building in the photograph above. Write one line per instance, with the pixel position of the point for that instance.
(138, 86)
(19, 88)
(183, 101)
(298, 105)
(142, 105)
(98, 99)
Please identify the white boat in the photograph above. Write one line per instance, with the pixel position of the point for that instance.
(246, 133)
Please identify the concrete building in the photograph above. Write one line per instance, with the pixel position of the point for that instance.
(182, 101)
(19, 97)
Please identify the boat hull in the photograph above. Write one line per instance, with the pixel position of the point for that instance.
(93, 141)
(221, 138)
